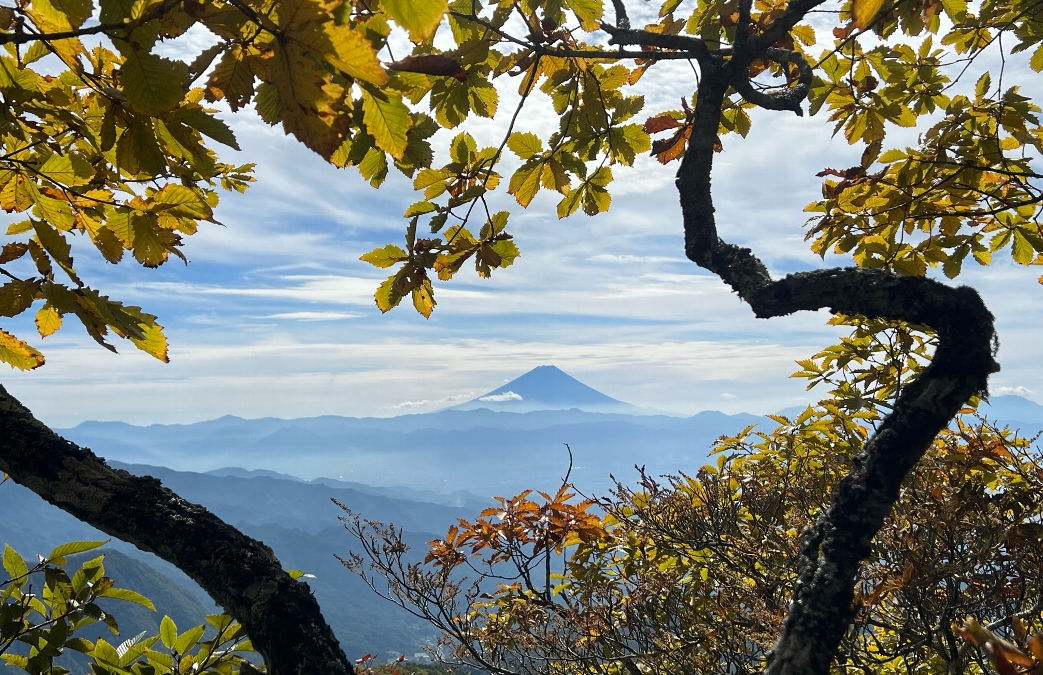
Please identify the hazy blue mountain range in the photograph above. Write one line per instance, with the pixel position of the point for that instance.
(1015, 411)
(274, 478)
(482, 451)
(296, 519)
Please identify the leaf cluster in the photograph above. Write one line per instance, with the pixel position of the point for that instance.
(43, 607)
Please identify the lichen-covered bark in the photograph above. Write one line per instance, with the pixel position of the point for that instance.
(241, 574)
(832, 551)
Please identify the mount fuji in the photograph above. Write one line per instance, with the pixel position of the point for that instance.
(548, 388)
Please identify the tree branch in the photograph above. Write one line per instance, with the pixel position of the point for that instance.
(833, 550)
(787, 100)
(241, 574)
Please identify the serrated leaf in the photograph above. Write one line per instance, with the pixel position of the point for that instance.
(70, 170)
(353, 54)
(152, 84)
(589, 12)
(183, 202)
(12, 251)
(525, 145)
(232, 79)
(386, 296)
(152, 341)
(152, 243)
(55, 244)
(1036, 60)
(385, 256)
(419, 17)
(13, 563)
(48, 320)
(864, 11)
(17, 296)
(1021, 249)
(387, 120)
(982, 86)
(208, 125)
(424, 299)
(525, 183)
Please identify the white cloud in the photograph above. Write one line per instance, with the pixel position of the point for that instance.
(726, 395)
(1019, 391)
(313, 316)
(499, 398)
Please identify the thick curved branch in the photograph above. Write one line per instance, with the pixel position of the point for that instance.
(241, 574)
(786, 100)
(684, 43)
(833, 550)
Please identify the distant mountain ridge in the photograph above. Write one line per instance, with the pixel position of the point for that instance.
(482, 452)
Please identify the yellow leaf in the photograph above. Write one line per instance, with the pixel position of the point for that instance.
(232, 78)
(153, 341)
(18, 354)
(388, 121)
(424, 299)
(386, 295)
(419, 17)
(349, 51)
(181, 201)
(48, 320)
(865, 11)
(303, 105)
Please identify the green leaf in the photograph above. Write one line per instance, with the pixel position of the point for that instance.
(982, 86)
(352, 53)
(150, 240)
(386, 295)
(208, 125)
(891, 156)
(388, 120)
(183, 202)
(70, 170)
(589, 12)
(1036, 60)
(525, 183)
(55, 244)
(58, 553)
(13, 563)
(419, 17)
(1021, 249)
(525, 144)
(128, 595)
(385, 256)
(188, 639)
(152, 85)
(168, 632)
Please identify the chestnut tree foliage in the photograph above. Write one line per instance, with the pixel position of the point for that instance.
(864, 528)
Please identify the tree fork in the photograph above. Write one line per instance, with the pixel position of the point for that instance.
(833, 550)
(241, 574)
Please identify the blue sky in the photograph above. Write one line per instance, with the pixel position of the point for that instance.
(274, 315)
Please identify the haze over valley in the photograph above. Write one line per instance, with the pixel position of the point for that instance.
(274, 479)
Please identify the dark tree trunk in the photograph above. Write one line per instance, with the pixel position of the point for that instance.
(241, 574)
(832, 552)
